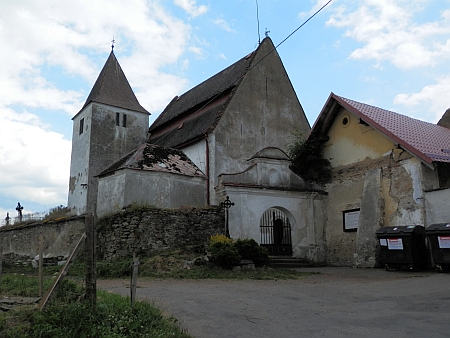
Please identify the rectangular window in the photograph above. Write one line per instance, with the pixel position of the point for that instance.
(81, 126)
(124, 120)
(117, 119)
(351, 219)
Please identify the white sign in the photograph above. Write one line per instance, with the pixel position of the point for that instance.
(444, 242)
(383, 242)
(351, 219)
(395, 244)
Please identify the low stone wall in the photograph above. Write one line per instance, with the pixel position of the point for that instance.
(147, 231)
(21, 242)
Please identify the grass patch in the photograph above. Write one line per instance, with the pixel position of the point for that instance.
(170, 265)
(22, 285)
(67, 316)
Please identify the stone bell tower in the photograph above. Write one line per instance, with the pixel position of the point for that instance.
(111, 124)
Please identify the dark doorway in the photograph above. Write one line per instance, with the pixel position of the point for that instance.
(275, 231)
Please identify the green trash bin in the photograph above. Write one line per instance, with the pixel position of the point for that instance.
(439, 238)
(402, 246)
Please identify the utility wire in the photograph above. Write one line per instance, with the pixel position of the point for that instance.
(257, 19)
(253, 66)
(304, 23)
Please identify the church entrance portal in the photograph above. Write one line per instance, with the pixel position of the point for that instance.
(275, 231)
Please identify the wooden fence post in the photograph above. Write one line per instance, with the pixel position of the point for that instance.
(134, 276)
(1, 258)
(91, 275)
(41, 264)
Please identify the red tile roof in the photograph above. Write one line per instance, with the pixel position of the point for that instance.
(427, 141)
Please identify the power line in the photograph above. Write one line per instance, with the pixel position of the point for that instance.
(304, 23)
(257, 19)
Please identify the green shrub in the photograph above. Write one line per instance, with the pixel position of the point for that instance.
(114, 269)
(249, 249)
(224, 255)
(220, 239)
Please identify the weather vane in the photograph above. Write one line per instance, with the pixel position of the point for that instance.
(112, 46)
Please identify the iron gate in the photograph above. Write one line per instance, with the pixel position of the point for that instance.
(276, 232)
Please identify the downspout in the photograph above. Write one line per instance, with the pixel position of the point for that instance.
(208, 202)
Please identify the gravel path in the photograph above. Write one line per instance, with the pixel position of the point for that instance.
(338, 302)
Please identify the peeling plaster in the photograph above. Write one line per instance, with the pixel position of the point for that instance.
(415, 173)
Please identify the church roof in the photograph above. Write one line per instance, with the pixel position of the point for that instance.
(150, 157)
(112, 88)
(197, 112)
(427, 141)
(445, 119)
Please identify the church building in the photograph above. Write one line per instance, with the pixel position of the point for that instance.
(227, 138)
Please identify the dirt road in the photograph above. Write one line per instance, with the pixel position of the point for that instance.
(338, 302)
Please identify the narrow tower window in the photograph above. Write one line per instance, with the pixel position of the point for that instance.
(117, 119)
(81, 126)
(124, 120)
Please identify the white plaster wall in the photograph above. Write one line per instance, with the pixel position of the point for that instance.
(111, 192)
(101, 144)
(159, 189)
(79, 163)
(413, 214)
(197, 154)
(250, 204)
(437, 206)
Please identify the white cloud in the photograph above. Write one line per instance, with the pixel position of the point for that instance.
(35, 161)
(47, 45)
(199, 52)
(224, 25)
(432, 98)
(318, 4)
(387, 31)
(191, 8)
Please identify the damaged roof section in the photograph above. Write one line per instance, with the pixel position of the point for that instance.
(151, 157)
(427, 141)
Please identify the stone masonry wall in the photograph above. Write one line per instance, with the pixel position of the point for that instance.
(147, 231)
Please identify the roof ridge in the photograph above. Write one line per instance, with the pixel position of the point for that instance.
(386, 110)
(218, 88)
(423, 139)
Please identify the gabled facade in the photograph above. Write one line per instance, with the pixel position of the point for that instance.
(387, 168)
(224, 121)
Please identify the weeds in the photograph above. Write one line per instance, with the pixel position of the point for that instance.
(68, 317)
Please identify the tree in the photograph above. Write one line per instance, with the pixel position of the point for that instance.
(307, 158)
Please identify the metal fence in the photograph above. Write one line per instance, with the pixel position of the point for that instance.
(30, 217)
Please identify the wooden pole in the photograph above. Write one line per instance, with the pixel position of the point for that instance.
(134, 276)
(41, 264)
(62, 274)
(91, 276)
(1, 258)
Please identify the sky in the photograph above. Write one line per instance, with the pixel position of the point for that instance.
(393, 54)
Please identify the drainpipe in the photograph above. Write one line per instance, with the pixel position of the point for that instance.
(207, 171)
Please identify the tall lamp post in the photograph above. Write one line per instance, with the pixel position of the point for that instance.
(227, 204)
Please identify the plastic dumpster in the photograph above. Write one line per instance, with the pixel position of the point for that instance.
(439, 239)
(402, 246)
